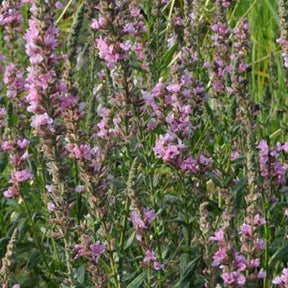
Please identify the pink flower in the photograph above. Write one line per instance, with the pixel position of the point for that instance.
(51, 206)
(157, 265)
(218, 236)
(136, 220)
(130, 29)
(22, 175)
(261, 274)
(174, 88)
(107, 51)
(40, 120)
(23, 143)
(246, 230)
(98, 24)
(260, 244)
(219, 257)
(81, 251)
(79, 188)
(264, 157)
(134, 12)
(149, 256)
(188, 164)
(254, 263)
(157, 90)
(283, 279)
(10, 192)
(7, 145)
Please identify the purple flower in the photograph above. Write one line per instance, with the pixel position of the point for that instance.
(149, 215)
(246, 230)
(259, 220)
(136, 220)
(261, 274)
(58, 5)
(189, 164)
(264, 157)
(260, 244)
(130, 29)
(240, 262)
(23, 143)
(96, 250)
(174, 88)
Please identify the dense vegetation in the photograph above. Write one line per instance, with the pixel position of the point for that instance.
(143, 143)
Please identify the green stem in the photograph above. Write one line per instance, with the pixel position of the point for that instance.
(35, 233)
(124, 224)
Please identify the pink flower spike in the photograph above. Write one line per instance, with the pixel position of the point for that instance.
(149, 256)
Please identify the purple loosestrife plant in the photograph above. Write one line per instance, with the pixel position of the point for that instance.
(107, 107)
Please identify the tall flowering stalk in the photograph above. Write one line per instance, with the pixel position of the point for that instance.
(47, 100)
(283, 39)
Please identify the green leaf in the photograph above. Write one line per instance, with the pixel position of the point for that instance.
(239, 191)
(130, 240)
(280, 255)
(239, 160)
(80, 275)
(34, 260)
(216, 180)
(137, 281)
(188, 274)
(127, 277)
(3, 161)
(168, 57)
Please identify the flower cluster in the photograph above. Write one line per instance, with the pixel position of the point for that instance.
(238, 268)
(14, 79)
(282, 280)
(18, 154)
(142, 226)
(283, 39)
(271, 166)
